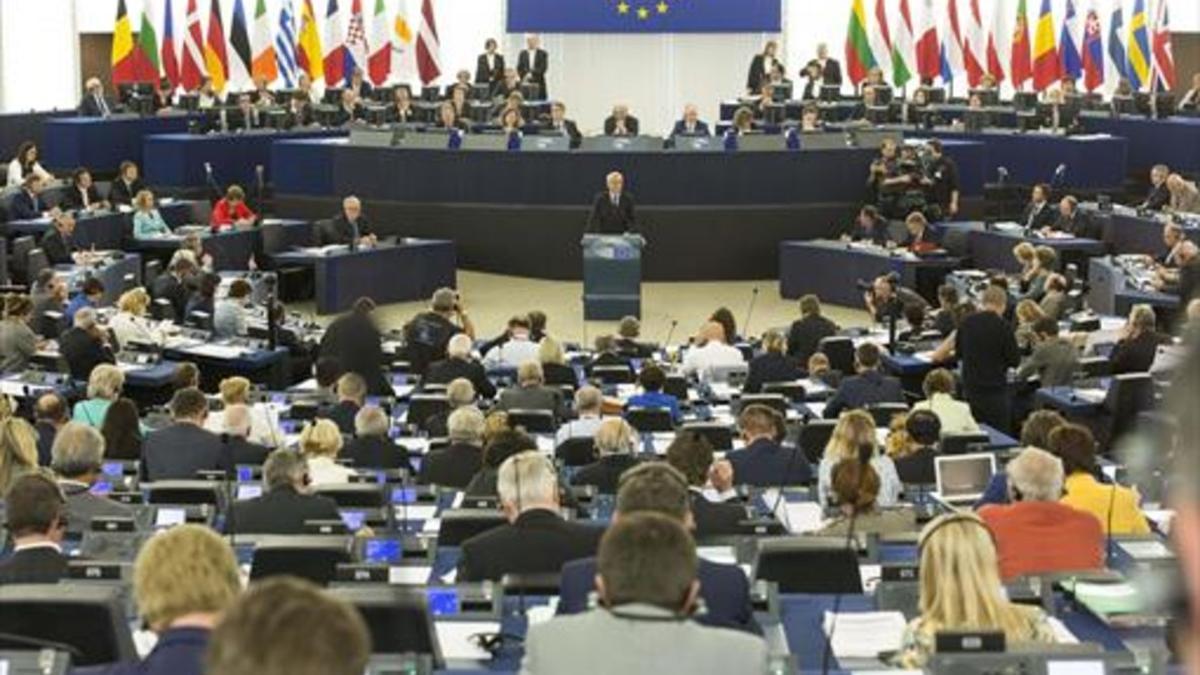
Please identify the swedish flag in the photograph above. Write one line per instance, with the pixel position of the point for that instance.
(1139, 47)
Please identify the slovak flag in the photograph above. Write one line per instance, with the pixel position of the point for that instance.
(1093, 52)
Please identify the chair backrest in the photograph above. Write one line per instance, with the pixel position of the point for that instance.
(1128, 395)
(272, 237)
(323, 232)
(840, 352)
(21, 247)
(720, 436)
(612, 374)
(421, 407)
(354, 494)
(883, 413)
(793, 391)
(540, 584)
(314, 558)
(576, 451)
(38, 261)
(161, 309)
(677, 386)
(814, 436)
(648, 420)
(399, 619)
(88, 619)
(201, 212)
(962, 444)
(459, 525)
(1095, 366)
(777, 402)
(182, 492)
(817, 565)
(533, 421)
(151, 272)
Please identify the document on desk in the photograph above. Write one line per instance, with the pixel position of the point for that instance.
(217, 351)
(325, 250)
(1146, 550)
(801, 517)
(1091, 395)
(863, 635)
(455, 638)
(409, 575)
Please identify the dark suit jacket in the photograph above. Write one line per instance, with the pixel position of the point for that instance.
(986, 348)
(536, 70)
(569, 127)
(680, 129)
(1079, 225)
(484, 75)
(757, 73)
(45, 442)
(447, 370)
(832, 72)
(608, 219)
(1158, 197)
(25, 206)
(168, 287)
(82, 352)
(39, 565)
(178, 451)
(376, 452)
(766, 463)
(341, 231)
(452, 466)
(120, 193)
(242, 451)
(1189, 282)
(342, 414)
(89, 107)
(862, 390)
(917, 468)
(806, 334)
(179, 651)
(1137, 354)
(725, 590)
(538, 542)
(771, 367)
(281, 511)
(631, 126)
(716, 519)
(877, 233)
(604, 473)
(57, 247)
(73, 199)
(1039, 218)
(356, 343)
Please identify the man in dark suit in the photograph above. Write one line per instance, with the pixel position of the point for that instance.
(1072, 220)
(299, 111)
(1158, 196)
(559, 124)
(78, 456)
(458, 363)
(831, 70)
(27, 203)
(867, 387)
(658, 488)
(986, 347)
(184, 447)
(371, 447)
(1038, 213)
(36, 516)
(455, 465)
(692, 455)
(536, 540)
(50, 413)
(806, 333)
(126, 185)
(237, 424)
(620, 122)
(350, 227)
(869, 226)
(612, 210)
(57, 243)
(489, 67)
(354, 341)
(352, 395)
(287, 502)
(764, 462)
(173, 286)
(690, 124)
(83, 195)
(533, 63)
(94, 102)
(84, 345)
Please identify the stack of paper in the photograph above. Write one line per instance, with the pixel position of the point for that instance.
(457, 642)
(863, 635)
(801, 517)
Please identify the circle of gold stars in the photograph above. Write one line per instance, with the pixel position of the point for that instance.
(642, 10)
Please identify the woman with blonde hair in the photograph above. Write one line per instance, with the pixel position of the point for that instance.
(147, 221)
(18, 451)
(104, 387)
(616, 443)
(130, 324)
(554, 364)
(961, 591)
(264, 428)
(320, 443)
(854, 434)
(1028, 313)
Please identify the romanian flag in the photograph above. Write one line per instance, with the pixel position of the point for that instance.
(124, 55)
(215, 59)
(309, 56)
(1139, 47)
(1045, 52)
(858, 51)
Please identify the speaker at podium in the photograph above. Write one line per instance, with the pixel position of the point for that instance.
(612, 276)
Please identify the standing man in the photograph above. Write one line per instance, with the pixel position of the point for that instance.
(489, 67)
(533, 64)
(942, 175)
(831, 70)
(987, 348)
(612, 210)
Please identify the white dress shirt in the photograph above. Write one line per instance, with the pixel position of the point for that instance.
(512, 353)
(954, 415)
(701, 360)
(325, 471)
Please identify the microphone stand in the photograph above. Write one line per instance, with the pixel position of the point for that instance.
(749, 312)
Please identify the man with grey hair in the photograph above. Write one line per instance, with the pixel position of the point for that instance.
(84, 345)
(536, 540)
(350, 228)
(427, 335)
(458, 363)
(1036, 534)
(459, 392)
(77, 456)
(455, 465)
(588, 403)
(236, 433)
(531, 392)
(287, 502)
(612, 209)
(372, 447)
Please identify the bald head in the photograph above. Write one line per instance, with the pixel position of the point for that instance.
(712, 332)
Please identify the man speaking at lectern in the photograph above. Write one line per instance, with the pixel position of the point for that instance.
(612, 210)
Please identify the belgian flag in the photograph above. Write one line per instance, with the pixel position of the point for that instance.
(124, 54)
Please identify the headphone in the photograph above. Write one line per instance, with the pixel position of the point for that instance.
(948, 519)
(656, 467)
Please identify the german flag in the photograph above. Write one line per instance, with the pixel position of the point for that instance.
(124, 56)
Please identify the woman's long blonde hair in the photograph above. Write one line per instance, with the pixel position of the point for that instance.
(960, 580)
(854, 429)
(18, 449)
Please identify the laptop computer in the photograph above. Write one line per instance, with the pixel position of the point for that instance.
(962, 479)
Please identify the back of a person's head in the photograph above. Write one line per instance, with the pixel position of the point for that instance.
(774, 342)
(186, 375)
(465, 425)
(924, 427)
(259, 634)
(460, 392)
(284, 469)
(647, 558)
(994, 298)
(550, 351)
(652, 377)
(50, 407)
(656, 487)
(757, 419)
(530, 374)
(1035, 475)
(588, 399)
(459, 346)
(866, 356)
(1035, 433)
(105, 381)
(78, 450)
(810, 305)
(527, 479)
(615, 436)
(351, 387)
(34, 505)
(1075, 445)
(959, 575)
(504, 444)
(854, 431)
(188, 569)
(692, 455)
(188, 404)
(938, 381)
(234, 390)
(320, 438)
(855, 484)
(371, 421)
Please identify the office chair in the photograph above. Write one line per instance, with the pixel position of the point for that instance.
(161, 309)
(399, 619)
(649, 420)
(310, 557)
(182, 492)
(421, 407)
(459, 525)
(371, 495)
(792, 391)
(814, 436)
(612, 374)
(542, 584)
(150, 273)
(818, 565)
(19, 265)
(88, 621)
(677, 386)
(533, 421)
(576, 451)
(776, 402)
(1128, 395)
(201, 212)
(38, 261)
(719, 436)
(961, 444)
(840, 352)
(883, 413)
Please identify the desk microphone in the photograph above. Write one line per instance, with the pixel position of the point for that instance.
(670, 332)
(260, 184)
(749, 313)
(211, 182)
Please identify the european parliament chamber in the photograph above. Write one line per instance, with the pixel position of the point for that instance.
(345, 337)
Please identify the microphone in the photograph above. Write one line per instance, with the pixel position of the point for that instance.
(749, 312)
(1002, 175)
(1060, 175)
(670, 332)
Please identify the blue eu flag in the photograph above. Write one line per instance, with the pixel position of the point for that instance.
(644, 16)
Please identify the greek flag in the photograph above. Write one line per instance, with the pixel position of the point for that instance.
(285, 45)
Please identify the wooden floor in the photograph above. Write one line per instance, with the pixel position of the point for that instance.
(491, 299)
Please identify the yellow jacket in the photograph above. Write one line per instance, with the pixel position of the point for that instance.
(1110, 503)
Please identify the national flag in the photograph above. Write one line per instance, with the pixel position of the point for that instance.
(1139, 47)
(952, 49)
(927, 43)
(998, 41)
(903, 50)
(1045, 53)
(429, 65)
(264, 66)
(404, 46)
(285, 44)
(242, 64)
(124, 66)
(880, 38)
(169, 60)
(379, 63)
(356, 41)
(1117, 58)
(192, 72)
(1093, 51)
(335, 49)
(147, 58)
(215, 59)
(1164, 58)
(1021, 70)
(974, 47)
(858, 52)
(309, 57)
(1068, 44)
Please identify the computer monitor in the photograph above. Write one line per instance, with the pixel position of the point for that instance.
(399, 619)
(88, 620)
(962, 479)
(883, 94)
(314, 558)
(761, 143)
(976, 120)
(831, 92)
(824, 565)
